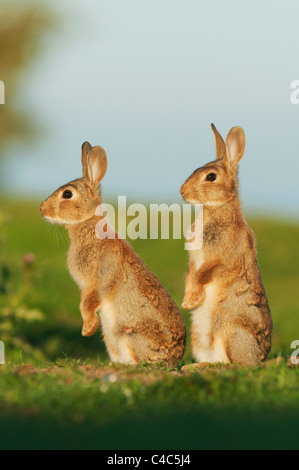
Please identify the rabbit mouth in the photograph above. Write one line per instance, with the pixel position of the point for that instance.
(187, 196)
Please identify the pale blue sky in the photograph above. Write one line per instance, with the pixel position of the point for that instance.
(145, 78)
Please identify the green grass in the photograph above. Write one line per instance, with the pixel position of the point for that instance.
(69, 405)
(71, 397)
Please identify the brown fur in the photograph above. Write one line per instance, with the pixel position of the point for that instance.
(236, 314)
(139, 319)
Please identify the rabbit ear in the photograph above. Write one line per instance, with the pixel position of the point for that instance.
(219, 143)
(96, 165)
(235, 146)
(86, 147)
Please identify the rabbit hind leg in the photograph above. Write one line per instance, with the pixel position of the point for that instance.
(242, 347)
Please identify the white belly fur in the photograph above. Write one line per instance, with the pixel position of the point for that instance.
(202, 326)
(120, 345)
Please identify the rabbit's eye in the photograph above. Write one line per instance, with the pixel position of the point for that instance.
(67, 194)
(211, 177)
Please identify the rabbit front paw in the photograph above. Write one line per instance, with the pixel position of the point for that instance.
(192, 300)
(90, 326)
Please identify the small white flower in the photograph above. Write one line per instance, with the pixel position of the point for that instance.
(112, 378)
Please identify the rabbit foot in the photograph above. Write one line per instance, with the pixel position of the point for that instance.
(90, 326)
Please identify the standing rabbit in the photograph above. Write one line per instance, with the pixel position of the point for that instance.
(139, 319)
(231, 320)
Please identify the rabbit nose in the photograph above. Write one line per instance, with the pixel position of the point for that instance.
(41, 208)
(182, 190)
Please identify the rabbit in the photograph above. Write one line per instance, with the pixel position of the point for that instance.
(231, 319)
(140, 321)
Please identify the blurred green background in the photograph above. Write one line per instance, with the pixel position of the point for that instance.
(53, 379)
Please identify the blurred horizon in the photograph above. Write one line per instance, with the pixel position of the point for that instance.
(144, 80)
